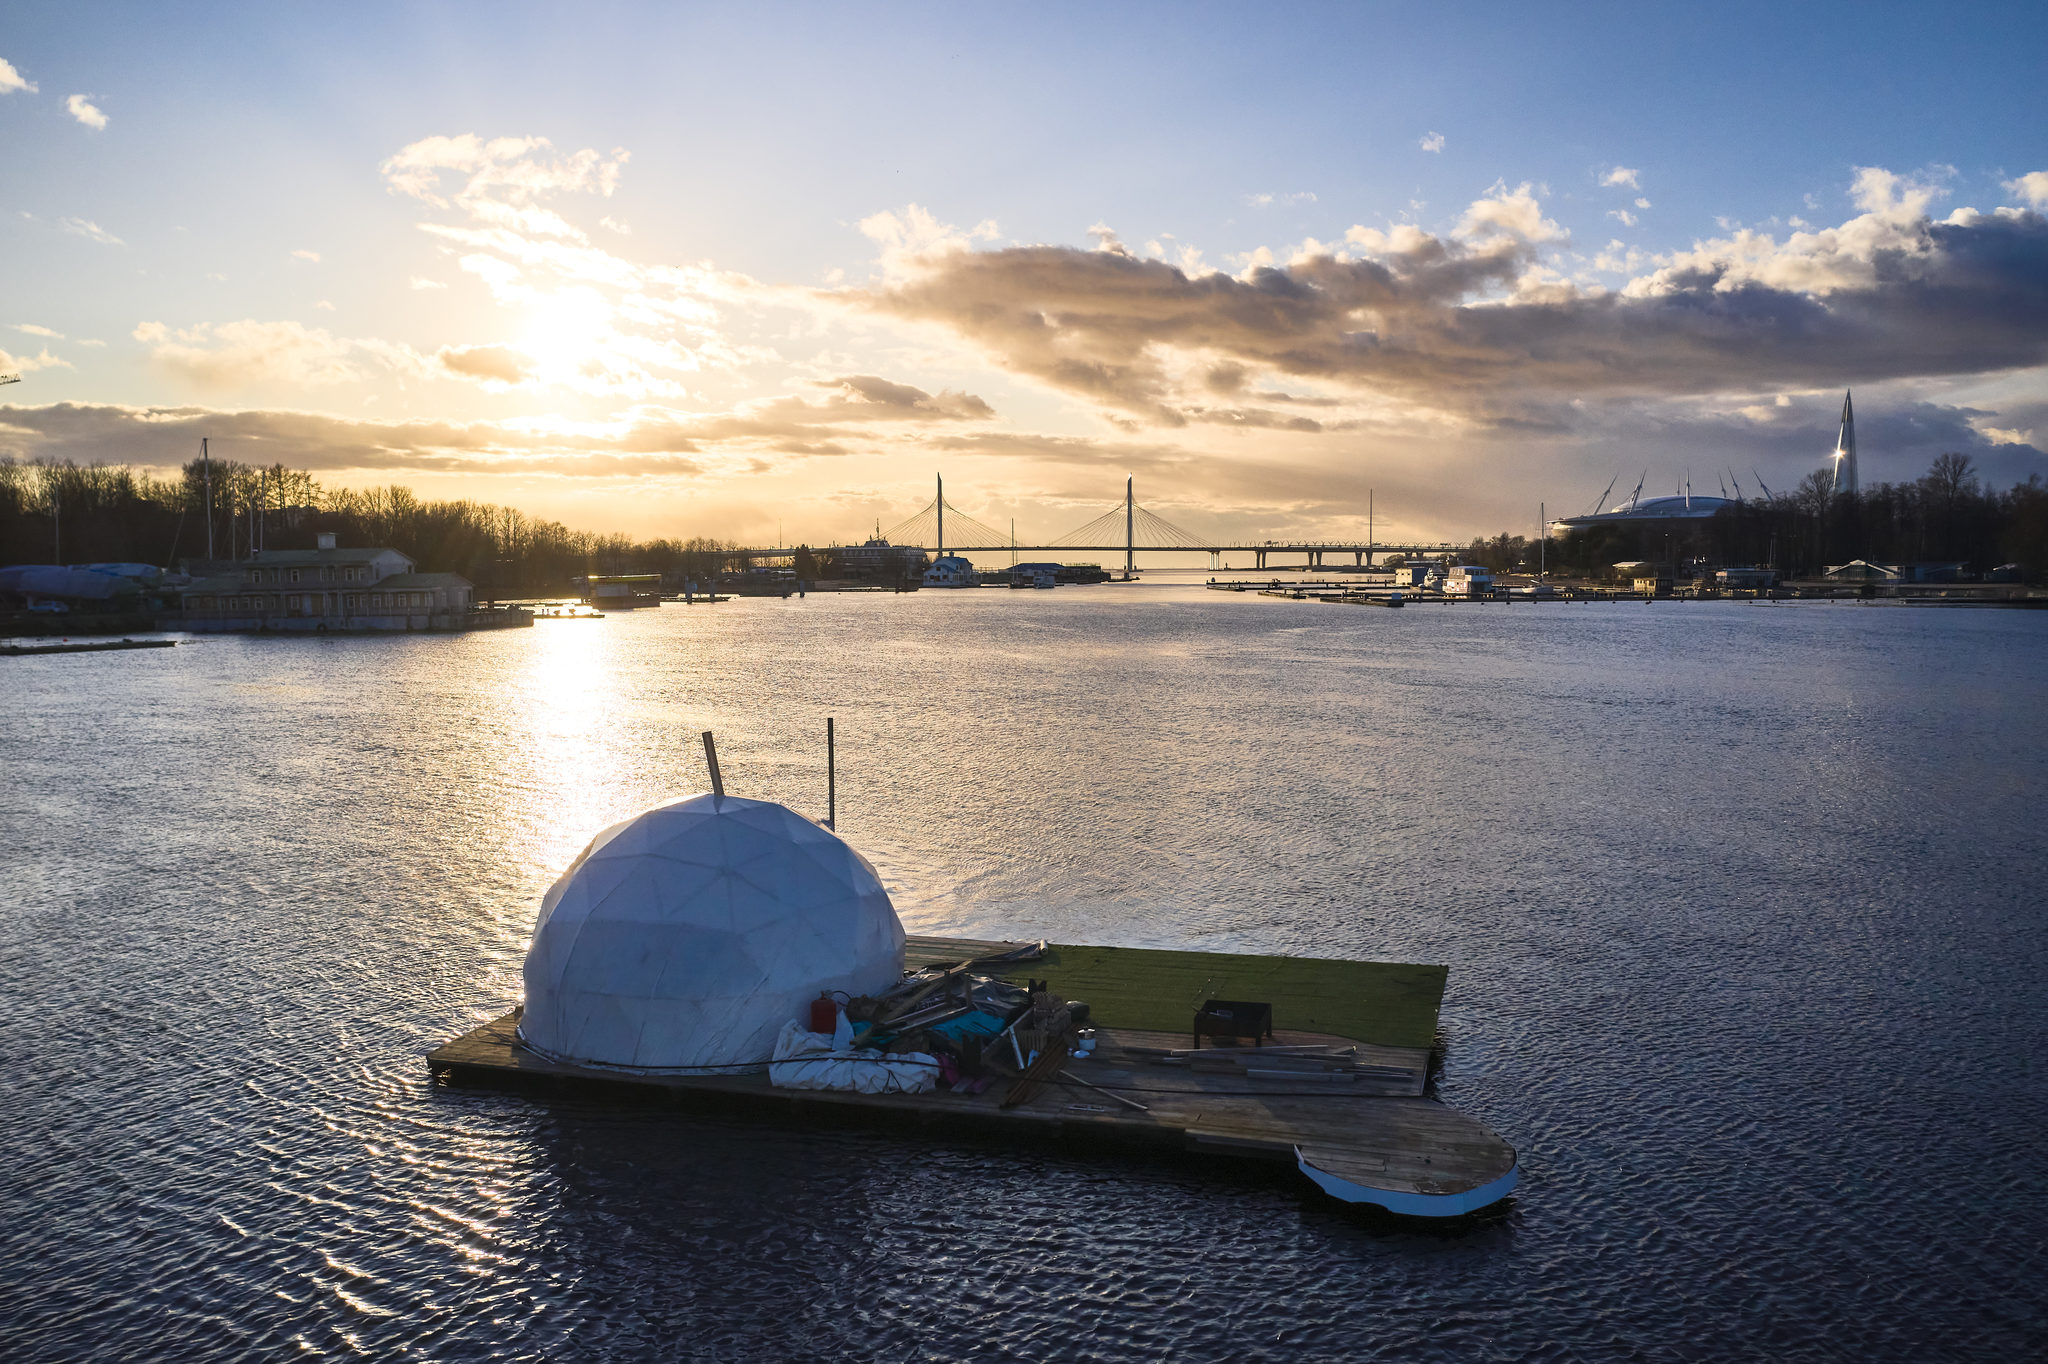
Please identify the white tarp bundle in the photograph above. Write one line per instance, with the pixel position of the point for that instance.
(813, 1060)
(685, 937)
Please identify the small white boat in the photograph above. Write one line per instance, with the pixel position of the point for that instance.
(1355, 1179)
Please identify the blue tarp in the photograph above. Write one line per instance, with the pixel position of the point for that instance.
(88, 582)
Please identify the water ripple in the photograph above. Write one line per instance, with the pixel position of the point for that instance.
(1740, 910)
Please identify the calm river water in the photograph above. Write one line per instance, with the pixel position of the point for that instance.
(1743, 908)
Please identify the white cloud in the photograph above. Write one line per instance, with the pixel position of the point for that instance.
(1642, 203)
(421, 282)
(1622, 216)
(33, 330)
(1509, 212)
(2033, 187)
(85, 227)
(237, 354)
(1893, 225)
(1268, 200)
(506, 178)
(324, 306)
(85, 111)
(29, 364)
(11, 81)
(313, 256)
(1432, 142)
(1622, 175)
(915, 235)
(623, 229)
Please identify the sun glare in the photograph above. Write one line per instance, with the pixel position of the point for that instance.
(567, 332)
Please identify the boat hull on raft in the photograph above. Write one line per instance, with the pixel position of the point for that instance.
(1358, 1186)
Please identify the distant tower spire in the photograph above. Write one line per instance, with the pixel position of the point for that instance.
(1845, 449)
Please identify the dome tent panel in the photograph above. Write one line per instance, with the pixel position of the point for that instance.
(602, 1022)
(687, 936)
(836, 870)
(643, 890)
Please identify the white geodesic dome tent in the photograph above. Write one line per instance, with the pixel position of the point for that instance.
(685, 937)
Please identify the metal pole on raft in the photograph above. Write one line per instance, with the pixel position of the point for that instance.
(711, 761)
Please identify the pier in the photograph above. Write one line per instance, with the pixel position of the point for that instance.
(1362, 1129)
(96, 647)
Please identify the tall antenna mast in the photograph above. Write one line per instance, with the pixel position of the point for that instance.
(942, 515)
(206, 475)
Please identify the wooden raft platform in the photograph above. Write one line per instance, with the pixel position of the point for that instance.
(1373, 1140)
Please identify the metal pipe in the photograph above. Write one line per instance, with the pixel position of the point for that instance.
(711, 761)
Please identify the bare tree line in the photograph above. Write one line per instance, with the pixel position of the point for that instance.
(53, 511)
(1945, 516)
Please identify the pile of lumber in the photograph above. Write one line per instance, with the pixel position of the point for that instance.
(1310, 1065)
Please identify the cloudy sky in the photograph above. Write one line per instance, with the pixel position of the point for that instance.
(763, 270)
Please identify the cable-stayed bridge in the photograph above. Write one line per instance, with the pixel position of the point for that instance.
(1127, 529)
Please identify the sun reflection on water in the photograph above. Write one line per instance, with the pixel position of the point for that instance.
(569, 703)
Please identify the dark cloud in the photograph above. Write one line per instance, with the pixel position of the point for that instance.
(1471, 326)
(165, 437)
(647, 440)
(915, 402)
(501, 363)
(1127, 456)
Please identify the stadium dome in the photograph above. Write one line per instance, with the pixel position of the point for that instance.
(1680, 507)
(685, 937)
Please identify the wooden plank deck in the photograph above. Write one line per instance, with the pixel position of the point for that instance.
(1375, 1131)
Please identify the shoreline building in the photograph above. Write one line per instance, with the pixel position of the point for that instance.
(329, 590)
(877, 560)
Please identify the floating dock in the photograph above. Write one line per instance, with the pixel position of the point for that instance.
(96, 647)
(1365, 1133)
